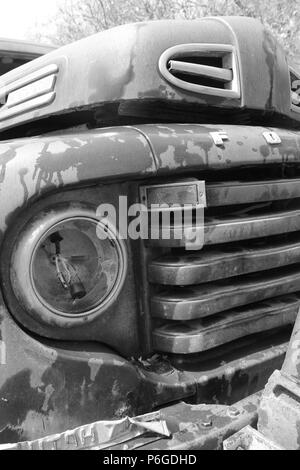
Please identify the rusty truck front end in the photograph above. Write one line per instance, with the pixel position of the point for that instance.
(99, 327)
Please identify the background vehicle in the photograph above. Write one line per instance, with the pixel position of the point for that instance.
(139, 111)
(14, 53)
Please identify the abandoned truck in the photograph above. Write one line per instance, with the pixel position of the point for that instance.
(205, 113)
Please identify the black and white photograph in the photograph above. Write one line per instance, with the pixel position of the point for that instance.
(149, 228)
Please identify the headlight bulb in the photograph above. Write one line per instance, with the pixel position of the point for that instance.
(66, 272)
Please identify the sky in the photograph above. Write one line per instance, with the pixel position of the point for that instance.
(19, 17)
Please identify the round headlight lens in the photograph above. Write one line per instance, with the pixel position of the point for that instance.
(73, 271)
(68, 266)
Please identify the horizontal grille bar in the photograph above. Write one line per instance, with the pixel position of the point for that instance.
(226, 229)
(243, 276)
(189, 303)
(202, 335)
(220, 262)
(231, 193)
(217, 73)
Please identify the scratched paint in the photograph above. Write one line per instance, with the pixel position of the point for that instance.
(120, 66)
(279, 419)
(67, 385)
(47, 164)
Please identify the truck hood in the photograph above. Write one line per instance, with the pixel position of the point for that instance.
(123, 66)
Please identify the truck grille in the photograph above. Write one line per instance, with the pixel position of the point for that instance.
(245, 280)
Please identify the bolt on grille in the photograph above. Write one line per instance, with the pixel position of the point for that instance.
(245, 280)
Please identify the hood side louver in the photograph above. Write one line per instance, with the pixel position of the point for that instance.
(295, 90)
(28, 93)
(209, 69)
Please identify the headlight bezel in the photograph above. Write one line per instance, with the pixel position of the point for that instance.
(23, 257)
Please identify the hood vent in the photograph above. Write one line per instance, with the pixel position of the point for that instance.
(295, 90)
(208, 69)
(28, 93)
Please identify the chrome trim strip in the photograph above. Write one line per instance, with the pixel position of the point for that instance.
(223, 75)
(197, 336)
(227, 230)
(219, 194)
(223, 261)
(190, 303)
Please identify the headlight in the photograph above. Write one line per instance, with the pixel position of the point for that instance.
(62, 270)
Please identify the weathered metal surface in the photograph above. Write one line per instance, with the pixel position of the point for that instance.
(98, 436)
(234, 371)
(61, 386)
(51, 164)
(279, 413)
(221, 262)
(249, 439)
(222, 75)
(269, 61)
(36, 166)
(239, 228)
(113, 67)
(219, 230)
(112, 327)
(47, 387)
(186, 192)
(189, 303)
(58, 161)
(203, 427)
(220, 194)
(162, 383)
(291, 366)
(201, 335)
(191, 147)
